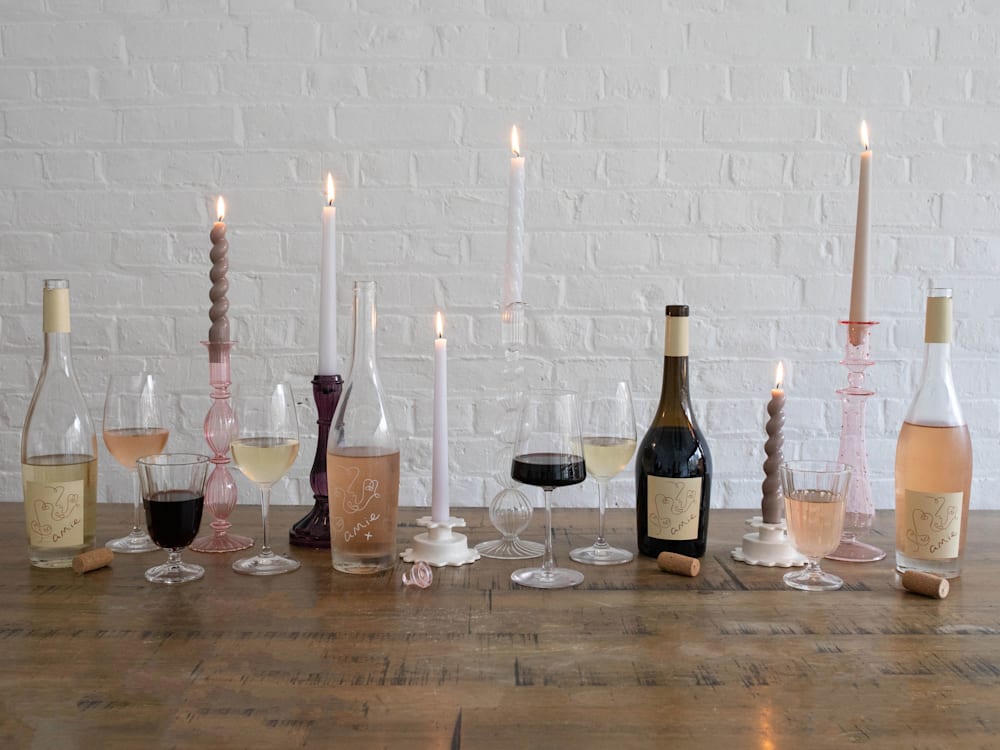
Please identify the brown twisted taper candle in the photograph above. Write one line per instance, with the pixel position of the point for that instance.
(770, 504)
(220, 284)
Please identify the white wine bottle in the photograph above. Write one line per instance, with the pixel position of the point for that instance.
(58, 448)
(933, 459)
(673, 466)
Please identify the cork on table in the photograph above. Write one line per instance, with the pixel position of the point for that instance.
(632, 657)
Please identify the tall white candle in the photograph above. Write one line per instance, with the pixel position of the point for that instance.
(328, 286)
(514, 267)
(440, 510)
(859, 280)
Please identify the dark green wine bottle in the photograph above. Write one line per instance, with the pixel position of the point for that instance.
(673, 466)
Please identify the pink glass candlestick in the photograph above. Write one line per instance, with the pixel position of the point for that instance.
(313, 530)
(220, 428)
(859, 510)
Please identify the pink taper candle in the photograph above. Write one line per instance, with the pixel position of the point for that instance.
(771, 505)
(862, 232)
(220, 284)
(328, 286)
(514, 267)
(440, 510)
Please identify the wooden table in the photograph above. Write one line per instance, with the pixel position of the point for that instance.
(633, 658)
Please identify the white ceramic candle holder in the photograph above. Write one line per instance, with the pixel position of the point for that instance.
(439, 545)
(767, 545)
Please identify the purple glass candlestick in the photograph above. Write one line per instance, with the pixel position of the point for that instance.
(313, 530)
(859, 510)
(220, 427)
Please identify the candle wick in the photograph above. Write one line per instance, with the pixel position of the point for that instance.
(517, 154)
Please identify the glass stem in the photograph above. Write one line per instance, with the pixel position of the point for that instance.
(136, 504)
(602, 491)
(549, 561)
(173, 558)
(265, 501)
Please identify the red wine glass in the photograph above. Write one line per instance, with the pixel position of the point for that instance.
(173, 496)
(548, 453)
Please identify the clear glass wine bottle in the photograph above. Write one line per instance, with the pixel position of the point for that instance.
(934, 459)
(362, 458)
(58, 448)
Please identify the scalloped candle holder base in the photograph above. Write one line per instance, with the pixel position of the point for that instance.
(767, 545)
(439, 545)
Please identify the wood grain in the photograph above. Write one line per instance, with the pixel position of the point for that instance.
(632, 658)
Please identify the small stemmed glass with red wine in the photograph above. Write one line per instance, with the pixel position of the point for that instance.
(173, 496)
(548, 453)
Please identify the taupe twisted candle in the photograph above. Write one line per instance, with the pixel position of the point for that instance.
(771, 505)
(220, 285)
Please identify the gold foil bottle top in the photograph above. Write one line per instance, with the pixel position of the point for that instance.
(55, 306)
(675, 342)
(937, 324)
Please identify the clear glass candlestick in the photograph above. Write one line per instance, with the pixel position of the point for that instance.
(220, 429)
(859, 512)
(510, 509)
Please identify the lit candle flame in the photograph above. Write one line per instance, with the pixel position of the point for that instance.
(440, 326)
(864, 134)
(515, 144)
(779, 375)
(330, 194)
(220, 209)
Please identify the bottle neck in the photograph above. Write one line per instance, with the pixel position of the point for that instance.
(675, 395)
(936, 402)
(363, 360)
(57, 353)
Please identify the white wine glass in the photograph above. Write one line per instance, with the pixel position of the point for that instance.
(815, 493)
(133, 427)
(548, 453)
(264, 449)
(608, 445)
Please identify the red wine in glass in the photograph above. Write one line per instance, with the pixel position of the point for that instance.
(173, 517)
(549, 469)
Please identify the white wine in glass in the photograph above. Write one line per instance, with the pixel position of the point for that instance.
(609, 441)
(264, 450)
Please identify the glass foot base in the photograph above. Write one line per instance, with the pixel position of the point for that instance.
(855, 551)
(812, 580)
(510, 549)
(221, 542)
(538, 578)
(171, 573)
(601, 555)
(265, 565)
(133, 543)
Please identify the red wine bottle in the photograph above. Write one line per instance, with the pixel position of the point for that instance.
(673, 466)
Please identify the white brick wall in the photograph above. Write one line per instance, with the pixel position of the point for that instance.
(703, 152)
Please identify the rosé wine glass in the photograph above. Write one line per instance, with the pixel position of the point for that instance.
(133, 427)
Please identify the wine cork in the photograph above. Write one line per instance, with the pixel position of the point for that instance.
(926, 584)
(681, 565)
(92, 560)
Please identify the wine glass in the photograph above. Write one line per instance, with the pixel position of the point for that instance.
(548, 453)
(173, 494)
(265, 448)
(815, 493)
(133, 427)
(608, 444)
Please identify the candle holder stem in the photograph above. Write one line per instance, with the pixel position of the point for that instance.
(313, 529)
(220, 428)
(859, 510)
(510, 509)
